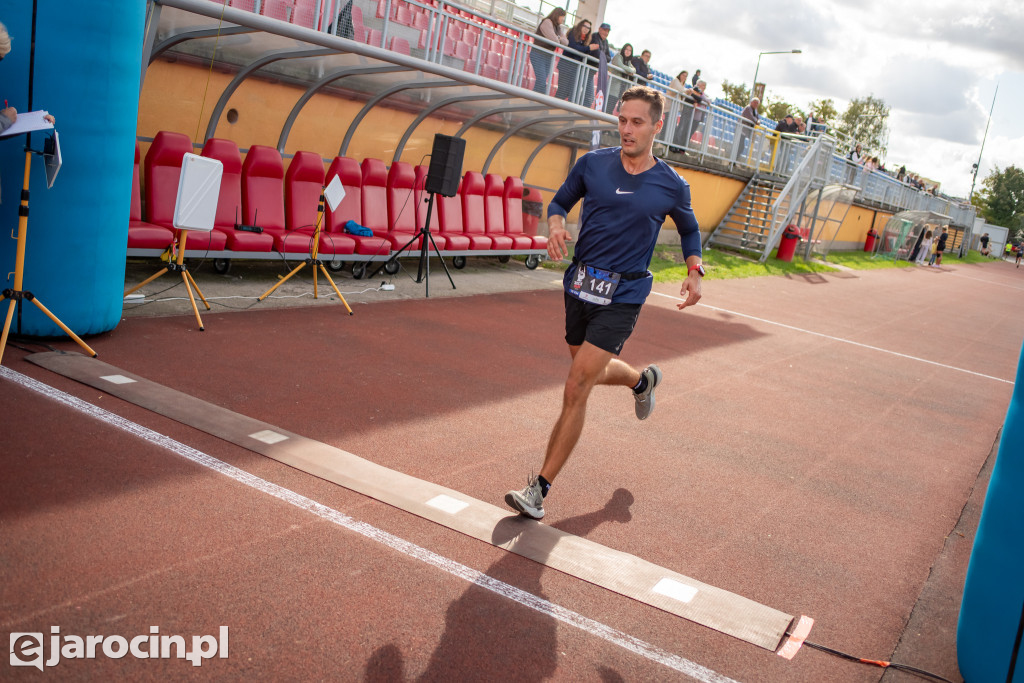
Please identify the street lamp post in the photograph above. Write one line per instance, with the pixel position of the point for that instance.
(759, 55)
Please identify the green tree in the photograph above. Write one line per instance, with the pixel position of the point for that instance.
(866, 121)
(825, 109)
(1001, 199)
(776, 108)
(737, 93)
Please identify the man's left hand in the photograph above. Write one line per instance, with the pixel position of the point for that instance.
(690, 291)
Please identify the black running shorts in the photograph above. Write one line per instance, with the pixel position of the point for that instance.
(606, 327)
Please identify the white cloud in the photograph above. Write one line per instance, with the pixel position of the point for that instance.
(936, 63)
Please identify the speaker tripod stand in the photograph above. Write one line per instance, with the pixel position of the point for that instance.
(17, 294)
(178, 266)
(312, 260)
(425, 236)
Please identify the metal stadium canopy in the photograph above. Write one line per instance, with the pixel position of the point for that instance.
(253, 46)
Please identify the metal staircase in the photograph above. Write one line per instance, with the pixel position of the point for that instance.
(766, 206)
(747, 225)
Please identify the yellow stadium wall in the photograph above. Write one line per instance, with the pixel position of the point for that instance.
(176, 97)
(173, 99)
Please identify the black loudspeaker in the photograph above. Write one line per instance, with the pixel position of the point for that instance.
(445, 165)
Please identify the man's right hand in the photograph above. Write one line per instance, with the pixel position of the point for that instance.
(557, 237)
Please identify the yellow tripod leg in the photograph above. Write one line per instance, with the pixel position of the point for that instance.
(62, 326)
(281, 281)
(195, 309)
(7, 327)
(146, 281)
(336, 290)
(192, 281)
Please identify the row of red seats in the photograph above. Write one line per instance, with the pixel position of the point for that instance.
(485, 215)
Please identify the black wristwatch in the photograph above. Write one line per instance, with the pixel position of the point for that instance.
(699, 268)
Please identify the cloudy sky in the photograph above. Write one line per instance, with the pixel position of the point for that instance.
(936, 63)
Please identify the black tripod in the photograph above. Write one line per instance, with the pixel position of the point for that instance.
(423, 273)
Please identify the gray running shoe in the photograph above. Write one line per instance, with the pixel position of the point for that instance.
(529, 501)
(645, 399)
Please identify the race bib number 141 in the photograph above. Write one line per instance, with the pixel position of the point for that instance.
(594, 285)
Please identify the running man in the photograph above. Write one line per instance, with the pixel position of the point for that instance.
(626, 193)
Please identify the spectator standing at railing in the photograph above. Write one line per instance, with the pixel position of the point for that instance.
(550, 35)
(748, 121)
(696, 77)
(622, 75)
(693, 115)
(678, 83)
(642, 66)
(801, 127)
(568, 67)
(598, 47)
(855, 155)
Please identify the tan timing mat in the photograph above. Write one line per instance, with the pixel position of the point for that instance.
(617, 571)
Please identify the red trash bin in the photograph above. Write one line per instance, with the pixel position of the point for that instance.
(869, 241)
(787, 245)
(532, 206)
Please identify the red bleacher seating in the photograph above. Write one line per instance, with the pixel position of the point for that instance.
(359, 31)
(143, 235)
(513, 196)
(303, 185)
(162, 170)
(351, 208)
(229, 202)
(473, 221)
(494, 212)
(277, 9)
(399, 45)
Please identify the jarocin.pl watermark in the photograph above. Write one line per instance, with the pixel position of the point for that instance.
(27, 648)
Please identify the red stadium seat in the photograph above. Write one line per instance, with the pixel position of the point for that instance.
(143, 235)
(399, 45)
(402, 223)
(473, 221)
(514, 217)
(375, 202)
(163, 169)
(350, 208)
(494, 212)
(229, 203)
(303, 185)
(263, 197)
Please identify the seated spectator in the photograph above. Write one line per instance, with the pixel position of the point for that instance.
(678, 84)
(550, 35)
(569, 72)
(787, 125)
(640, 64)
(621, 76)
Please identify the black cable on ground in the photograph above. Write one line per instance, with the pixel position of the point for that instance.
(875, 662)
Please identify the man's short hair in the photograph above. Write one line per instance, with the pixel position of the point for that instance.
(654, 99)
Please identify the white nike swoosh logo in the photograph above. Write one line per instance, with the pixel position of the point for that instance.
(618, 191)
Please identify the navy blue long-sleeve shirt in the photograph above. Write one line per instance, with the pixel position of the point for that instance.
(622, 215)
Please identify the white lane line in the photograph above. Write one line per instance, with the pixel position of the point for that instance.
(988, 282)
(840, 339)
(567, 616)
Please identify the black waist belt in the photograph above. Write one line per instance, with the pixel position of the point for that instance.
(639, 275)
